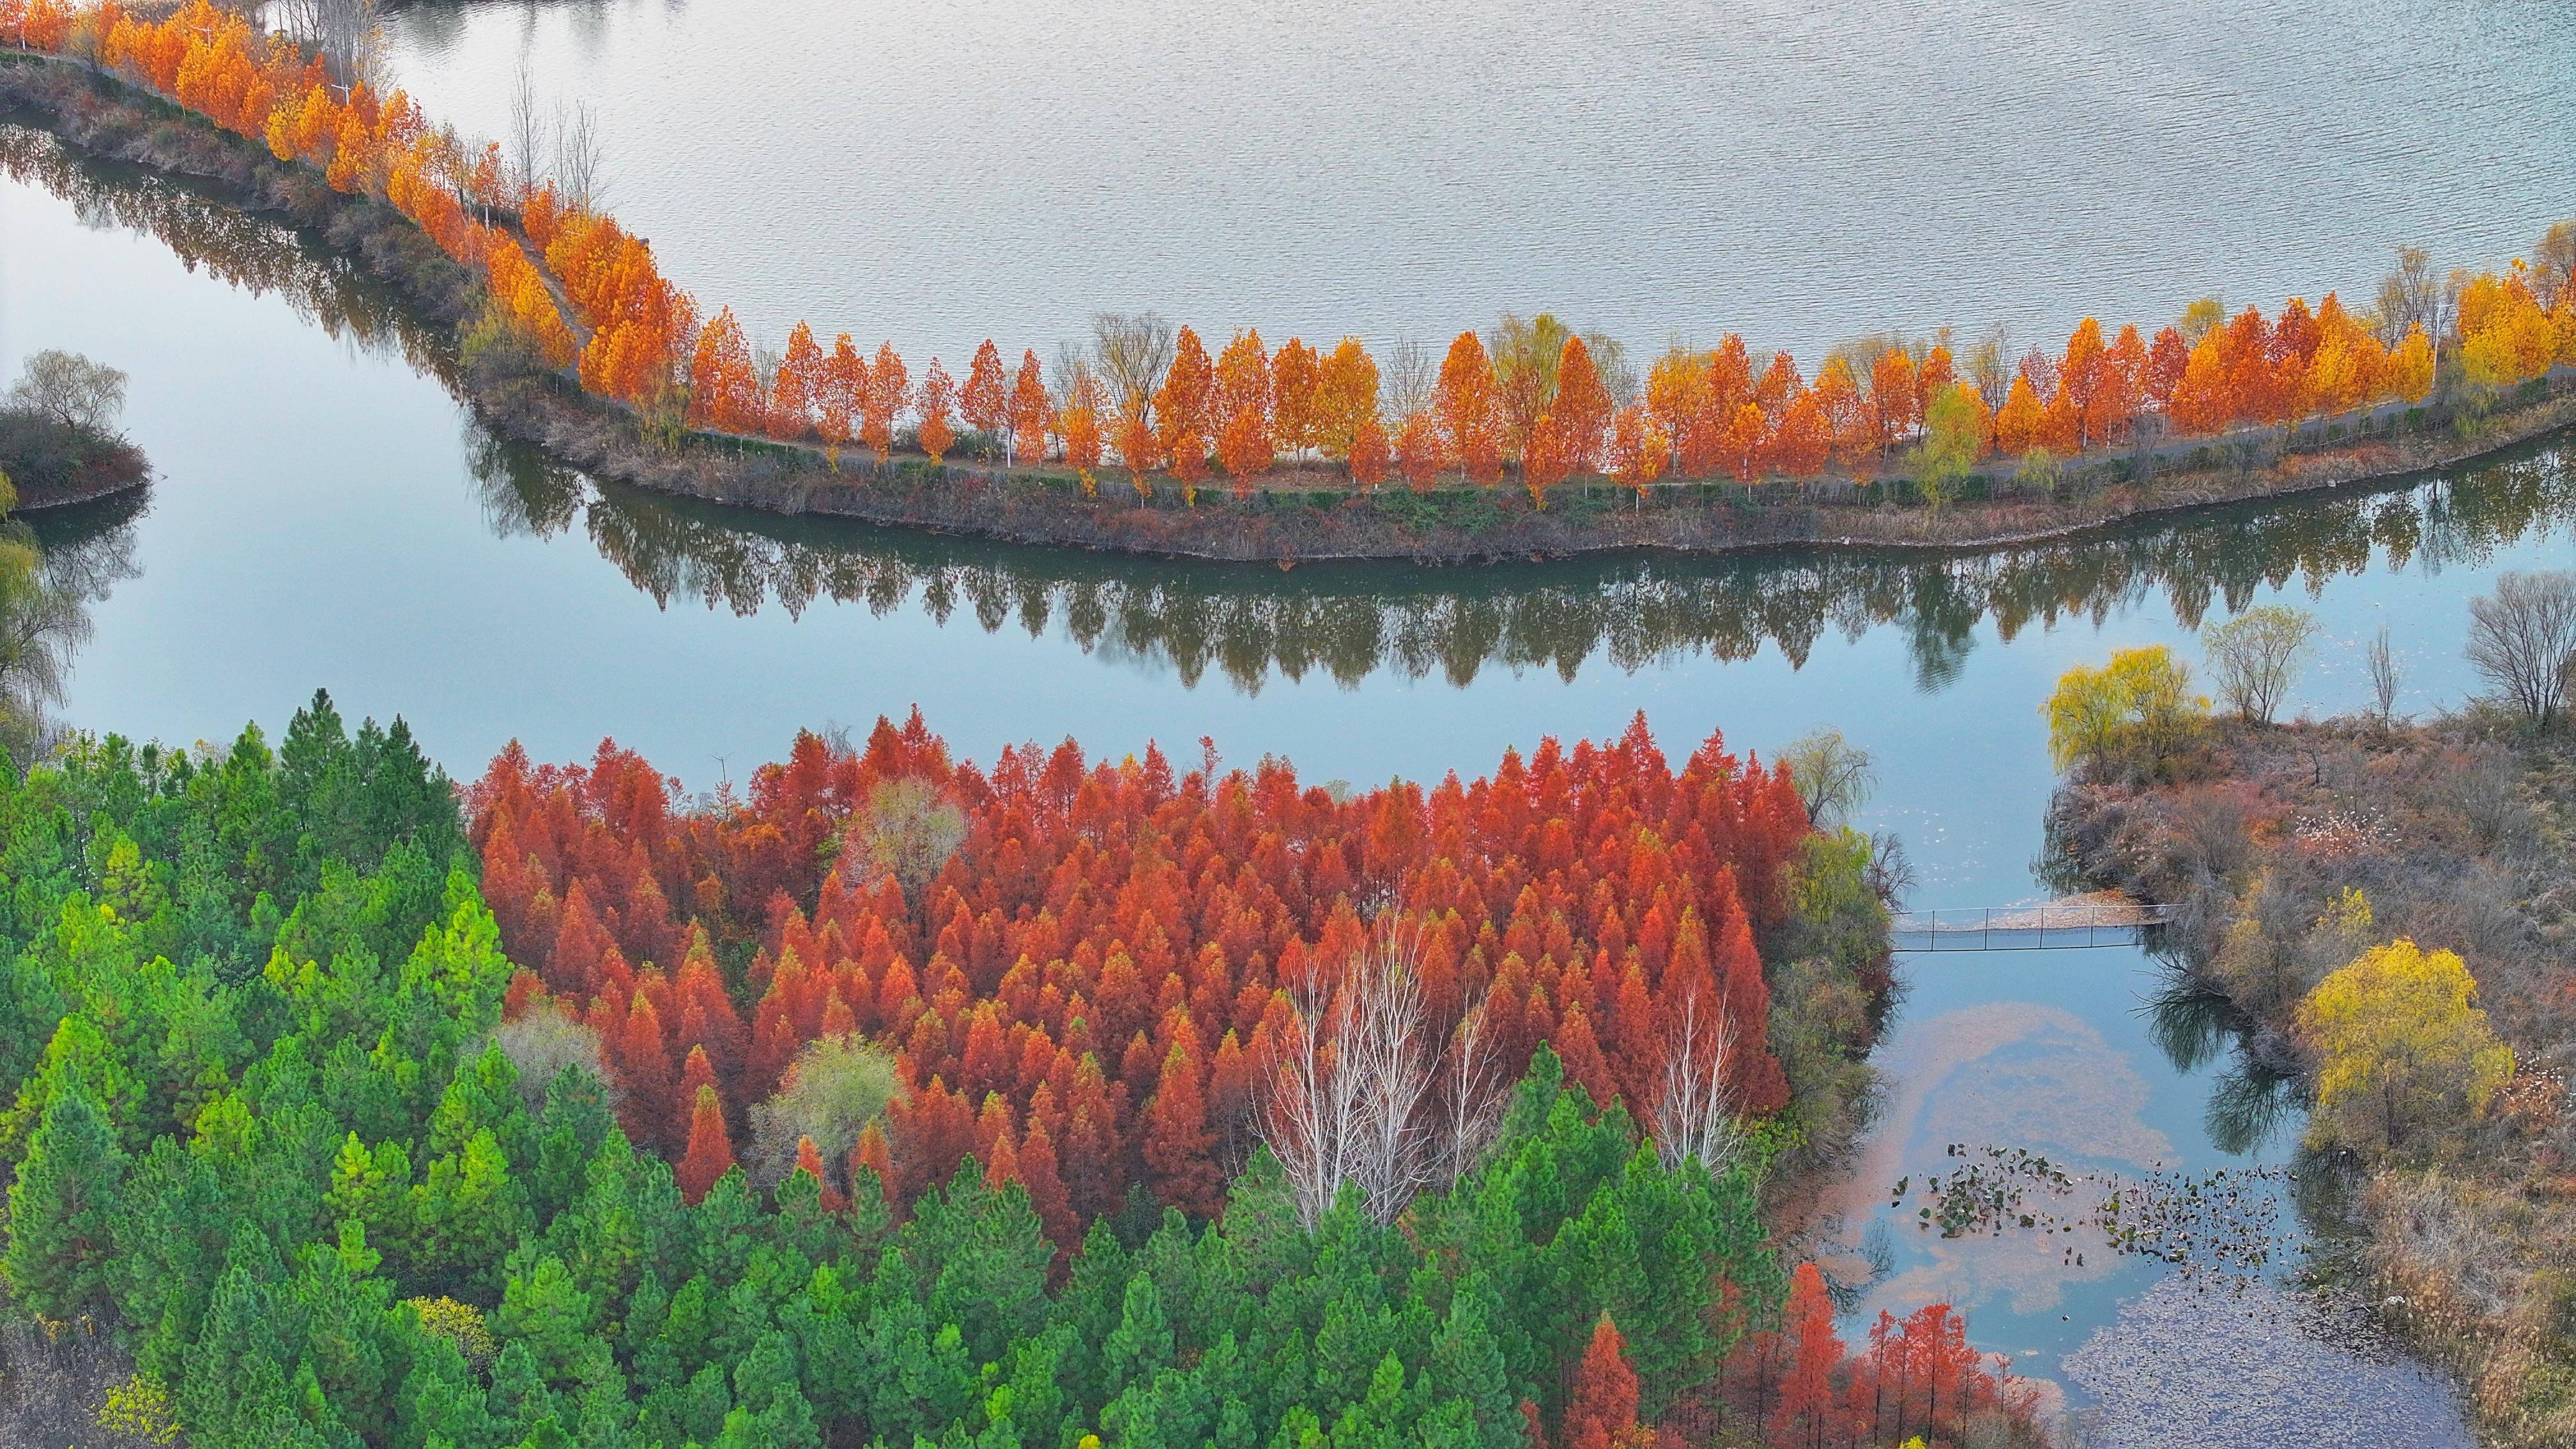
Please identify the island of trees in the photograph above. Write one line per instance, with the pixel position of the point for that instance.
(58, 438)
(567, 305)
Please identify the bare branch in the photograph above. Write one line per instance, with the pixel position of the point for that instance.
(1695, 1116)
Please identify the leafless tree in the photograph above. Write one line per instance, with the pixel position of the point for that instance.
(1065, 373)
(1989, 366)
(1832, 775)
(2522, 639)
(543, 1040)
(2383, 677)
(581, 157)
(1364, 1093)
(2553, 263)
(527, 140)
(1409, 373)
(1695, 1115)
(343, 31)
(1133, 351)
(1471, 1100)
(835, 1086)
(70, 389)
(2410, 297)
(1610, 360)
(906, 831)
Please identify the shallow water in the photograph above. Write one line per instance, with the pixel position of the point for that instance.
(939, 171)
(328, 515)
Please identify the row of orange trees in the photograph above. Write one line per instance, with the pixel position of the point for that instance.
(635, 337)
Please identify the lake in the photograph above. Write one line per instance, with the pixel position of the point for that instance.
(941, 171)
(328, 515)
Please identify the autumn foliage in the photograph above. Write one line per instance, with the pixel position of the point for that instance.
(1085, 986)
(1800, 1386)
(591, 299)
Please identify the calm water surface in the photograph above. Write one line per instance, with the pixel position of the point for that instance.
(327, 515)
(939, 171)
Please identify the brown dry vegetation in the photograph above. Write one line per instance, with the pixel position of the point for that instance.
(2461, 833)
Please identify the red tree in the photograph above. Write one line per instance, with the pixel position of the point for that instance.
(986, 401)
(1807, 1416)
(1601, 1412)
(710, 1154)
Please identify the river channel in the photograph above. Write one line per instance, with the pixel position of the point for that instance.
(326, 514)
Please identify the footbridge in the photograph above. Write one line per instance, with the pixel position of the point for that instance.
(2070, 924)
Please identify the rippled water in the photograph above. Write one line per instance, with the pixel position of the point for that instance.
(937, 171)
(328, 515)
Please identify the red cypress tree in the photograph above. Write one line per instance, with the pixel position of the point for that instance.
(1807, 1417)
(1180, 1157)
(710, 1154)
(1601, 1412)
(1040, 1173)
(1003, 1168)
(873, 1156)
(809, 1160)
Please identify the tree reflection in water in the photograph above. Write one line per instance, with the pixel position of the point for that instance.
(1349, 621)
(2250, 1099)
(80, 553)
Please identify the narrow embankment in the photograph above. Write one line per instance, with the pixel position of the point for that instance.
(1282, 520)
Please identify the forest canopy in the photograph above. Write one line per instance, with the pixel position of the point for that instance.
(297, 1126)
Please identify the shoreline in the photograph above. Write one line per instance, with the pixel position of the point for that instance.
(102, 118)
(2456, 1231)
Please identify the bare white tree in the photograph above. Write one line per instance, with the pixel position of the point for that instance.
(1410, 371)
(1133, 352)
(1364, 1092)
(343, 31)
(1385, 1051)
(1472, 1098)
(581, 157)
(1695, 1114)
(526, 143)
(2383, 677)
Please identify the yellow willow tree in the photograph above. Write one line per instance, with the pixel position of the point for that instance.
(2400, 1047)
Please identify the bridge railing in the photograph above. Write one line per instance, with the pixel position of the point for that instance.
(2048, 927)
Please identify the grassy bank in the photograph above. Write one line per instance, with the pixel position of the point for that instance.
(2459, 835)
(1289, 516)
(51, 464)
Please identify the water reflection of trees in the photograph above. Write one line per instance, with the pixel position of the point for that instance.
(53, 566)
(250, 252)
(1350, 621)
(2250, 1099)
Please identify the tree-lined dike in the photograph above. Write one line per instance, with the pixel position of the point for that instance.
(1289, 515)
